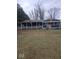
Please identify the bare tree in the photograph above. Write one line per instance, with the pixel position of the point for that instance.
(53, 12)
(34, 14)
(37, 12)
(40, 10)
(50, 12)
(31, 13)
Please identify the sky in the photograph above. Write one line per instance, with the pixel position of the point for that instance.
(29, 5)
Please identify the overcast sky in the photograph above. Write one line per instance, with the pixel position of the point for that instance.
(28, 5)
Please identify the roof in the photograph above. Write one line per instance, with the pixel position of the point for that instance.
(41, 21)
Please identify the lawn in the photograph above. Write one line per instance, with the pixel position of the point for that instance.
(39, 44)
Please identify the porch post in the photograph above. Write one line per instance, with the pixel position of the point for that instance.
(31, 24)
(26, 25)
(21, 25)
(36, 25)
(42, 24)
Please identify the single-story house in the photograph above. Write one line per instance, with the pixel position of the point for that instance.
(39, 24)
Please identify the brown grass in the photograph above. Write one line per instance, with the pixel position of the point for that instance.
(39, 44)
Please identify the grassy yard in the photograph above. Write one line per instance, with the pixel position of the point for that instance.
(39, 44)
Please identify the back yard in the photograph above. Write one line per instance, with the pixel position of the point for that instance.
(39, 44)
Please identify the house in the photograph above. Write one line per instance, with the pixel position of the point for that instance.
(40, 24)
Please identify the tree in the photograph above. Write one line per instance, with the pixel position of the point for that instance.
(56, 11)
(53, 12)
(37, 12)
(21, 16)
(50, 12)
(34, 14)
(39, 9)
